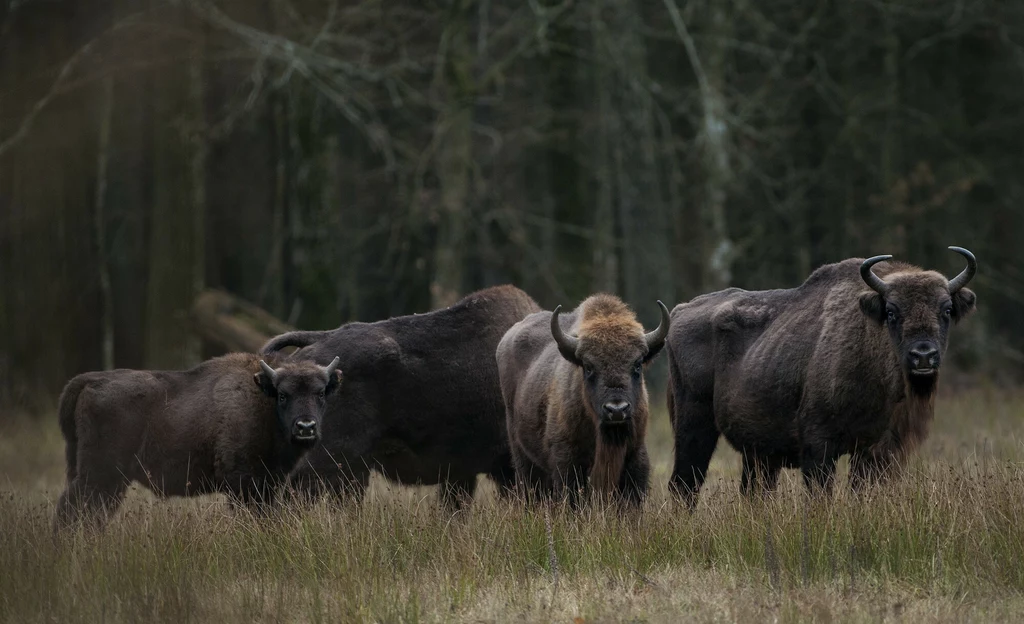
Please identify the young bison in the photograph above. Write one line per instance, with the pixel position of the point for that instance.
(576, 406)
(185, 433)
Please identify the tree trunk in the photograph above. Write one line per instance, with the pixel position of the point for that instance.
(178, 217)
(606, 274)
(102, 251)
(709, 66)
(646, 261)
(453, 134)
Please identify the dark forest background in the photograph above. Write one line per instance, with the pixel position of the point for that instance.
(338, 161)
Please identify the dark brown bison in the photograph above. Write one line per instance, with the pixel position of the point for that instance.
(420, 403)
(576, 405)
(846, 363)
(184, 433)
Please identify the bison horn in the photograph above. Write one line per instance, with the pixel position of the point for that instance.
(872, 280)
(967, 274)
(567, 345)
(271, 373)
(655, 339)
(329, 369)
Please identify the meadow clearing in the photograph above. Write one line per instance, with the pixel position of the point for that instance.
(945, 543)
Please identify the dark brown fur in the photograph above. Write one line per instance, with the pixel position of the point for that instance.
(420, 403)
(799, 377)
(185, 433)
(557, 438)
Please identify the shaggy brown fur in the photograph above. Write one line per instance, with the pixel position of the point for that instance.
(579, 411)
(208, 429)
(799, 377)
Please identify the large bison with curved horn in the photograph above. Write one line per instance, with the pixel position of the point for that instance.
(846, 363)
(576, 403)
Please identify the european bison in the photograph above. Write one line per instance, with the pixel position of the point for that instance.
(576, 406)
(184, 433)
(421, 402)
(846, 363)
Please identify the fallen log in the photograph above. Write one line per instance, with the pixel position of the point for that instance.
(233, 323)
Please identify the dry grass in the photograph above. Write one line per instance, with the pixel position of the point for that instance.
(943, 544)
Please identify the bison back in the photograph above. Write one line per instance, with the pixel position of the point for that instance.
(421, 400)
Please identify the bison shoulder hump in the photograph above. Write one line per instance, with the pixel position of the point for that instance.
(388, 349)
(737, 316)
(377, 349)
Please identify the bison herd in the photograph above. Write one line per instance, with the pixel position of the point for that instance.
(547, 404)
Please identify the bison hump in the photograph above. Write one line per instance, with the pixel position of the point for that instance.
(741, 316)
(374, 351)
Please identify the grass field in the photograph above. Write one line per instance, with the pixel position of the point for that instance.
(945, 543)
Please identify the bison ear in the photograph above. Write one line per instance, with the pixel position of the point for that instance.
(335, 382)
(655, 350)
(963, 304)
(264, 383)
(873, 306)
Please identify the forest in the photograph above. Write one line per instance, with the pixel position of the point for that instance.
(331, 161)
(170, 167)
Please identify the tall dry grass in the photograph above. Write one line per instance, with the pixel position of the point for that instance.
(943, 544)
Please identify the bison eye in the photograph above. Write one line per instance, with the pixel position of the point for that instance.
(892, 316)
(282, 398)
(638, 368)
(947, 311)
(321, 395)
(588, 372)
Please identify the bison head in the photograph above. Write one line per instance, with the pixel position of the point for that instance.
(611, 350)
(300, 390)
(917, 307)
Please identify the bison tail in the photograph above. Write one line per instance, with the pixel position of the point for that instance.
(66, 418)
(291, 339)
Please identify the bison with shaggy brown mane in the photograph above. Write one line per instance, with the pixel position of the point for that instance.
(421, 402)
(184, 433)
(575, 399)
(846, 363)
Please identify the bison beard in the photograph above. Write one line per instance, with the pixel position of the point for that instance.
(845, 363)
(576, 406)
(609, 457)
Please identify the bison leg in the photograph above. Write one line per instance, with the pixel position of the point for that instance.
(870, 468)
(304, 487)
(570, 484)
(454, 494)
(307, 487)
(532, 482)
(93, 501)
(322, 473)
(760, 474)
(255, 493)
(504, 475)
(695, 439)
(818, 465)
(635, 481)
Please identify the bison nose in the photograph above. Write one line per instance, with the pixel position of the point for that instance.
(304, 429)
(924, 357)
(617, 410)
